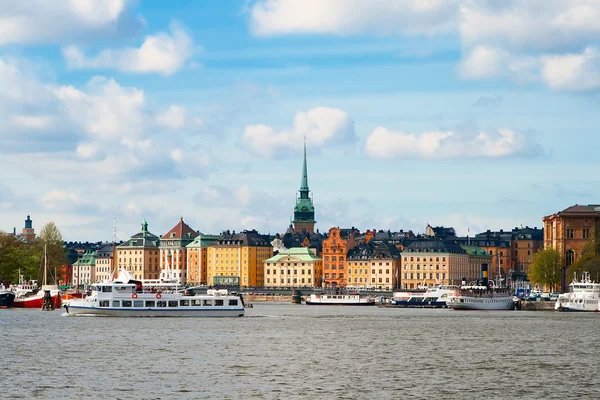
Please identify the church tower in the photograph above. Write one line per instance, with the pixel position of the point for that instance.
(28, 232)
(304, 212)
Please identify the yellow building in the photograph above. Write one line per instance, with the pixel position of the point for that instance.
(358, 266)
(295, 267)
(197, 259)
(139, 255)
(237, 259)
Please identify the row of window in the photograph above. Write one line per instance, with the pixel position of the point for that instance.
(283, 271)
(169, 303)
(360, 280)
(437, 259)
(412, 275)
(585, 233)
(418, 267)
(289, 280)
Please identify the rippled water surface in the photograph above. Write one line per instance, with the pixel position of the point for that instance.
(285, 351)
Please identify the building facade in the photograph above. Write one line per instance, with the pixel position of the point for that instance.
(140, 255)
(197, 259)
(335, 247)
(104, 264)
(384, 264)
(358, 266)
(432, 262)
(237, 259)
(173, 251)
(304, 211)
(84, 270)
(293, 268)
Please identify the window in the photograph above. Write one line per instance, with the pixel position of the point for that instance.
(126, 303)
(570, 234)
(116, 303)
(219, 302)
(104, 303)
(138, 303)
(569, 257)
(233, 302)
(586, 233)
(161, 303)
(207, 303)
(184, 303)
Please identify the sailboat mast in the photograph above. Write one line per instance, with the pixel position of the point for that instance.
(45, 266)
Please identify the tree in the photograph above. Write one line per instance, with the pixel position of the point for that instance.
(588, 262)
(545, 268)
(51, 238)
(17, 257)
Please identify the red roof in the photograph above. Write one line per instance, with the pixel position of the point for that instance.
(181, 231)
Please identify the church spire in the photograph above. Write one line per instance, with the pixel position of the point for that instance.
(304, 183)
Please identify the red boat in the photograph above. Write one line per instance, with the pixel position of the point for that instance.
(36, 299)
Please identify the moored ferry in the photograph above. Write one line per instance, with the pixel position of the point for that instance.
(582, 296)
(126, 298)
(482, 296)
(7, 297)
(340, 299)
(431, 297)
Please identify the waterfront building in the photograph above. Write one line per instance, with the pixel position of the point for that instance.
(139, 255)
(384, 264)
(525, 243)
(295, 267)
(312, 240)
(440, 232)
(304, 211)
(237, 259)
(571, 232)
(173, 251)
(335, 247)
(358, 266)
(430, 262)
(104, 263)
(197, 258)
(84, 270)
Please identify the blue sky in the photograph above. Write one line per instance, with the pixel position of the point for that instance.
(472, 114)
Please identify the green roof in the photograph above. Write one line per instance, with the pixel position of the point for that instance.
(303, 254)
(475, 251)
(203, 240)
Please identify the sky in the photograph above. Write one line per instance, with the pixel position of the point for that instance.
(472, 114)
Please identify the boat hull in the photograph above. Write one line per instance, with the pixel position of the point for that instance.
(414, 304)
(36, 301)
(471, 303)
(76, 310)
(7, 299)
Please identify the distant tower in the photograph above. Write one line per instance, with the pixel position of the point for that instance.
(28, 232)
(304, 212)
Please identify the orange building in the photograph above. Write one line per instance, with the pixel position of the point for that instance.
(197, 256)
(335, 248)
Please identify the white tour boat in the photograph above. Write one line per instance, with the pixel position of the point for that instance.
(582, 296)
(429, 297)
(341, 299)
(482, 296)
(126, 298)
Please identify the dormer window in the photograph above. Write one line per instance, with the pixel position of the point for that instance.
(172, 234)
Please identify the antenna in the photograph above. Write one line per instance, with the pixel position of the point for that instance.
(114, 230)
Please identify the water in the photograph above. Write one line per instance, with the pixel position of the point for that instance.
(285, 351)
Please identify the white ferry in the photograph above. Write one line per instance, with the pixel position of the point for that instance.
(341, 299)
(479, 297)
(118, 299)
(582, 296)
(430, 297)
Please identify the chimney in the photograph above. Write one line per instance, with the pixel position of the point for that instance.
(484, 274)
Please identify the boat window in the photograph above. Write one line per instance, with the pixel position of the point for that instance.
(138, 303)
(184, 303)
(207, 303)
(126, 303)
(219, 303)
(104, 303)
(150, 303)
(233, 302)
(161, 304)
(106, 289)
(197, 302)
(116, 303)
(173, 303)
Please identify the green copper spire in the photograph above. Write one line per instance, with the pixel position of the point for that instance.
(304, 183)
(304, 212)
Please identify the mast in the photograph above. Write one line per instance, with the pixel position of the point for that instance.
(45, 266)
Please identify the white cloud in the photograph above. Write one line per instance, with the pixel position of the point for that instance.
(383, 143)
(573, 71)
(548, 41)
(320, 125)
(346, 17)
(177, 118)
(58, 199)
(162, 53)
(41, 21)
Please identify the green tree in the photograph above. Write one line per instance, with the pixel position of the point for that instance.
(588, 262)
(17, 257)
(51, 238)
(545, 268)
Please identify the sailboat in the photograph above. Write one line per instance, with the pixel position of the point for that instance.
(32, 296)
